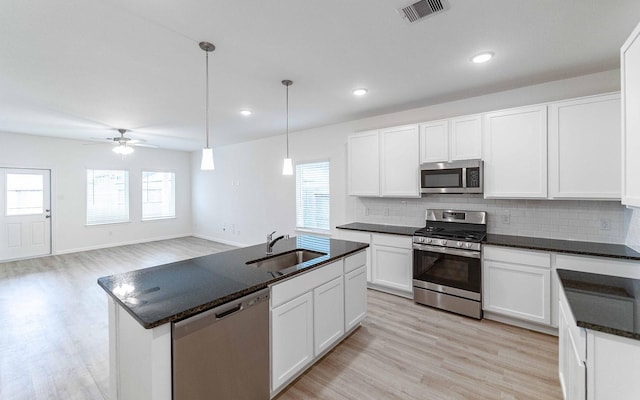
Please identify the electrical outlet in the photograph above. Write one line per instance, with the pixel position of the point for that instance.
(386, 211)
(506, 217)
(367, 211)
(605, 224)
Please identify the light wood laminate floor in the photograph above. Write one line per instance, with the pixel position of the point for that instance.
(54, 339)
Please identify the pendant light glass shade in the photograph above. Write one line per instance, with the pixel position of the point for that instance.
(287, 166)
(207, 160)
(207, 152)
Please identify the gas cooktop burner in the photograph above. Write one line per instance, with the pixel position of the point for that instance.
(448, 228)
(444, 234)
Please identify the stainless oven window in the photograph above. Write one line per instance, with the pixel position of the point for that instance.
(445, 178)
(448, 270)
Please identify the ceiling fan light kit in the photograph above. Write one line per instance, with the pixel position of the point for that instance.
(207, 153)
(287, 166)
(122, 148)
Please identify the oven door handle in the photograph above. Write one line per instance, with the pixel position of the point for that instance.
(447, 250)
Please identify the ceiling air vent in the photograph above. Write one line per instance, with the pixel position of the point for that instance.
(421, 9)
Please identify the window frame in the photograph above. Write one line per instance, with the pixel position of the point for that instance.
(142, 194)
(127, 197)
(316, 230)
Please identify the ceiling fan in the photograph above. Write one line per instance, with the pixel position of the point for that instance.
(124, 144)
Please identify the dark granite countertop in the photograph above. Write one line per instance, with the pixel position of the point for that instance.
(171, 292)
(522, 242)
(603, 303)
(376, 228)
(565, 246)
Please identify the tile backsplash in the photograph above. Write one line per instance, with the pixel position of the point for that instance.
(594, 221)
(633, 233)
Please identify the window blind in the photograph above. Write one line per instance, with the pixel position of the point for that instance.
(312, 196)
(158, 195)
(107, 196)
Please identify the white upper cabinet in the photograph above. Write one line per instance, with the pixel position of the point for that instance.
(515, 153)
(400, 162)
(466, 138)
(364, 164)
(630, 70)
(385, 163)
(584, 148)
(450, 140)
(434, 141)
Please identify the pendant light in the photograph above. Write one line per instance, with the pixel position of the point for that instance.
(287, 166)
(207, 152)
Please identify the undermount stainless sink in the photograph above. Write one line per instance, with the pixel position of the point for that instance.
(285, 260)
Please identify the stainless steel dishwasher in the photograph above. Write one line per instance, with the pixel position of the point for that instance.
(223, 353)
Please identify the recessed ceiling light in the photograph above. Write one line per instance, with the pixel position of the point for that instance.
(360, 91)
(482, 57)
(246, 112)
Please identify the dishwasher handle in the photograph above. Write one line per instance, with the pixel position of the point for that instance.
(219, 313)
(230, 311)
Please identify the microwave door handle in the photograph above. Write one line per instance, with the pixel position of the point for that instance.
(464, 176)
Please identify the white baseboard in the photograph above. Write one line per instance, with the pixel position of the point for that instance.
(125, 243)
(220, 240)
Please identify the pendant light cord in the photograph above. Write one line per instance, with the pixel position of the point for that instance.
(206, 119)
(287, 121)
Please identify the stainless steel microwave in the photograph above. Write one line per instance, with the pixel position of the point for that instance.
(452, 177)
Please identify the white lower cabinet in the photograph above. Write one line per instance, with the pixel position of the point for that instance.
(613, 367)
(291, 338)
(309, 314)
(355, 297)
(571, 354)
(516, 283)
(392, 264)
(328, 314)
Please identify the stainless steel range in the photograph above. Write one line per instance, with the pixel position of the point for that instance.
(447, 262)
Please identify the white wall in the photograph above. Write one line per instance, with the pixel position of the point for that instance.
(68, 161)
(264, 200)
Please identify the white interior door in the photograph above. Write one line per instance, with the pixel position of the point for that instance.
(25, 213)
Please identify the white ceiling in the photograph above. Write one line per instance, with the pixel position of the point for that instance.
(82, 68)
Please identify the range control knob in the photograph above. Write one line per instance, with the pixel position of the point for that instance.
(459, 244)
(468, 245)
(428, 240)
(421, 240)
(443, 242)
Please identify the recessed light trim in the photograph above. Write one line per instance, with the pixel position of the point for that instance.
(360, 91)
(482, 57)
(246, 112)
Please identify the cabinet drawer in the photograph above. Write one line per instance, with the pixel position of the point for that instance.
(403, 242)
(354, 236)
(513, 256)
(355, 261)
(282, 292)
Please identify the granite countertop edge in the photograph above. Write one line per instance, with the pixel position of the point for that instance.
(609, 330)
(150, 324)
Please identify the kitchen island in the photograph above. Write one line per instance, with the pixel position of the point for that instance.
(143, 304)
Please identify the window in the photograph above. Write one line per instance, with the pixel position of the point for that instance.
(312, 196)
(107, 196)
(158, 195)
(25, 194)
